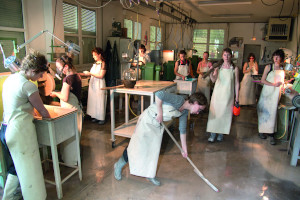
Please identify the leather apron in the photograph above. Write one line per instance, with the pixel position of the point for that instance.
(221, 104)
(203, 85)
(22, 142)
(183, 70)
(145, 143)
(68, 147)
(97, 98)
(247, 90)
(268, 103)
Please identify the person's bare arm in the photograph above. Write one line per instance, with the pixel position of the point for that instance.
(37, 103)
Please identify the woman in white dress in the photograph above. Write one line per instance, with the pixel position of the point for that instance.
(96, 105)
(273, 78)
(225, 94)
(203, 85)
(247, 91)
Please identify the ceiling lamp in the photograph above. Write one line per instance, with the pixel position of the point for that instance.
(253, 34)
(223, 2)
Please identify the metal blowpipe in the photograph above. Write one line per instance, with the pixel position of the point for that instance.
(215, 65)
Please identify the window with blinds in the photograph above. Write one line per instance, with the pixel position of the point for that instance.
(88, 22)
(137, 31)
(11, 17)
(70, 17)
(128, 25)
(211, 40)
(84, 33)
(155, 38)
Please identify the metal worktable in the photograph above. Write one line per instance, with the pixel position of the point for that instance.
(143, 88)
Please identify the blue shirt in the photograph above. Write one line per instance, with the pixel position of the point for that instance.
(176, 101)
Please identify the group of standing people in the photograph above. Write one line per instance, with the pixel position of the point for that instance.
(226, 91)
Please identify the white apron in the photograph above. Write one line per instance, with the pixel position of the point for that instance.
(144, 146)
(183, 70)
(221, 104)
(68, 148)
(203, 85)
(96, 105)
(22, 142)
(268, 103)
(247, 90)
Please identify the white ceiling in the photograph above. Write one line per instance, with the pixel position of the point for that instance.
(252, 11)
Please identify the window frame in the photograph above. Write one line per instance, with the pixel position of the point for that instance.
(208, 43)
(159, 45)
(79, 33)
(16, 30)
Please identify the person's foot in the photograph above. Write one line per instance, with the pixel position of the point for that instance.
(94, 120)
(154, 181)
(220, 137)
(272, 140)
(101, 122)
(212, 137)
(118, 168)
(262, 136)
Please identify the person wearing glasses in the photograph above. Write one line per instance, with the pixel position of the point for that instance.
(18, 134)
(70, 97)
(247, 91)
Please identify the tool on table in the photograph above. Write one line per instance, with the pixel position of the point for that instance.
(196, 170)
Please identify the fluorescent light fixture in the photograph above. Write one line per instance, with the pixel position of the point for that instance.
(232, 16)
(224, 2)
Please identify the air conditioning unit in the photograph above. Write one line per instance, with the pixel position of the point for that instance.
(279, 29)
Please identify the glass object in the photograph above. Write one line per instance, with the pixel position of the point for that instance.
(129, 74)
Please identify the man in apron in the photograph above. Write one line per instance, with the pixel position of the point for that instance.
(182, 66)
(144, 146)
(273, 78)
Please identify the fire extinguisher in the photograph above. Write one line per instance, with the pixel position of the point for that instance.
(145, 38)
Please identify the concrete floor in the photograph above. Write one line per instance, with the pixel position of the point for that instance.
(243, 166)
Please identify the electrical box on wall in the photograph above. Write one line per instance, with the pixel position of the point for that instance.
(279, 29)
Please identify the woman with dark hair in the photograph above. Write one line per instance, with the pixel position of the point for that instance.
(70, 97)
(225, 94)
(18, 134)
(247, 91)
(273, 78)
(182, 66)
(96, 105)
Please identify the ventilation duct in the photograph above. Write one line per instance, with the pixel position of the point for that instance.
(279, 29)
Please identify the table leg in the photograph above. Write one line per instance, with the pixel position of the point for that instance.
(78, 147)
(45, 157)
(126, 109)
(55, 160)
(112, 115)
(142, 104)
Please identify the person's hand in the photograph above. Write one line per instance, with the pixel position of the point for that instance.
(159, 118)
(183, 77)
(215, 71)
(52, 94)
(184, 154)
(87, 73)
(277, 84)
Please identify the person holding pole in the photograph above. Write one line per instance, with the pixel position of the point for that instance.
(144, 146)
